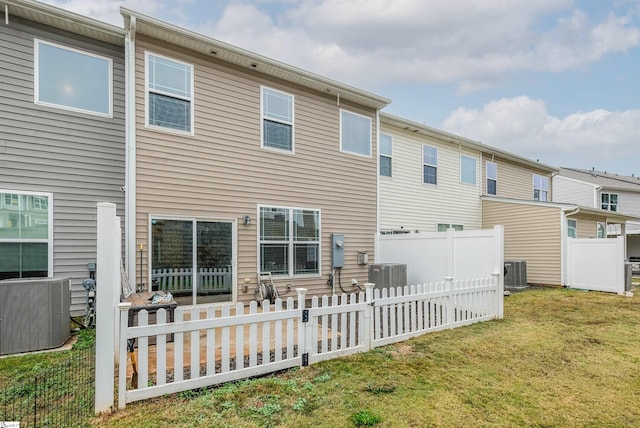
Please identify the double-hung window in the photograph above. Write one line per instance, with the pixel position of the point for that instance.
(492, 178)
(443, 227)
(540, 188)
(572, 228)
(429, 165)
(386, 152)
(355, 133)
(277, 120)
(609, 201)
(169, 93)
(26, 234)
(467, 170)
(72, 79)
(289, 241)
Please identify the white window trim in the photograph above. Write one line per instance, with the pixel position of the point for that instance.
(390, 156)
(475, 176)
(234, 251)
(290, 242)
(422, 162)
(263, 117)
(617, 204)
(569, 226)
(342, 150)
(49, 240)
(36, 74)
(192, 99)
(604, 226)
(533, 181)
(491, 178)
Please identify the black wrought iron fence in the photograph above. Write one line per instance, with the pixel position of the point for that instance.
(60, 395)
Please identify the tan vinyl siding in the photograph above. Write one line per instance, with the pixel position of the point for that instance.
(405, 201)
(221, 172)
(587, 225)
(515, 181)
(531, 233)
(78, 157)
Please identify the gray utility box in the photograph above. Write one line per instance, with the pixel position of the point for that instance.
(516, 275)
(34, 314)
(387, 275)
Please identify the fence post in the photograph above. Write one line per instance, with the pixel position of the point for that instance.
(498, 271)
(368, 315)
(122, 354)
(449, 274)
(107, 268)
(302, 328)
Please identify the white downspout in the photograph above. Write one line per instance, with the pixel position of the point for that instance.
(130, 138)
(377, 235)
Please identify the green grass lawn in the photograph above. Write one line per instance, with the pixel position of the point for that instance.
(559, 358)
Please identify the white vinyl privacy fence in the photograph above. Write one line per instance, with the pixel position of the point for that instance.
(209, 345)
(596, 264)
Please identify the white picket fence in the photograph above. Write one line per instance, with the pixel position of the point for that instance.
(216, 344)
(209, 280)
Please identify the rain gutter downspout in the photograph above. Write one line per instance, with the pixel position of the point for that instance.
(130, 138)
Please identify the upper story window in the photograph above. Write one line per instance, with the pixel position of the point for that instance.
(277, 119)
(540, 188)
(26, 234)
(169, 93)
(443, 227)
(355, 133)
(467, 169)
(572, 228)
(492, 178)
(386, 155)
(609, 201)
(429, 165)
(289, 241)
(72, 79)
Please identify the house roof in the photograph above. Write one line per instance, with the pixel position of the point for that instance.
(63, 20)
(605, 179)
(221, 51)
(419, 128)
(611, 216)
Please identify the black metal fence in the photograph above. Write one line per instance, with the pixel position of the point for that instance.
(60, 395)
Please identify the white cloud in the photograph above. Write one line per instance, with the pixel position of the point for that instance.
(524, 126)
(106, 10)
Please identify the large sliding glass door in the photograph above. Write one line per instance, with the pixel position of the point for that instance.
(193, 259)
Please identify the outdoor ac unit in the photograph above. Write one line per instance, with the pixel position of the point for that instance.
(387, 275)
(516, 273)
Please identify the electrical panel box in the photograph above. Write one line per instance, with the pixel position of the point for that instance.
(337, 250)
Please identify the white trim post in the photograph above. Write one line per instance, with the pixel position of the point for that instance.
(302, 327)
(123, 309)
(498, 271)
(106, 271)
(368, 315)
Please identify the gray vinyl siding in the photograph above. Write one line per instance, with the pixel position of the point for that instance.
(222, 173)
(78, 157)
(572, 191)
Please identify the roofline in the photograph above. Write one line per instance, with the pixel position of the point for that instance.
(62, 17)
(631, 181)
(564, 207)
(457, 139)
(333, 87)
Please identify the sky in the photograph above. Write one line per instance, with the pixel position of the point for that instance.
(556, 81)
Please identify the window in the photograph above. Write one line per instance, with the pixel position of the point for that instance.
(277, 119)
(429, 165)
(169, 93)
(572, 228)
(355, 133)
(601, 230)
(492, 178)
(289, 241)
(540, 188)
(609, 201)
(467, 170)
(386, 151)
(25, 235)
(443, 227)
(72, 79)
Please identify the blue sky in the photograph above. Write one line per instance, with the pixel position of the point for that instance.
(554, 80)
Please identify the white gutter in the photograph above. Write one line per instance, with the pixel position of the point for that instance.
(130, 137)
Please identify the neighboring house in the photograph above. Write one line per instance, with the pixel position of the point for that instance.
(607, 191)
(62, 139)
(242, 164)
